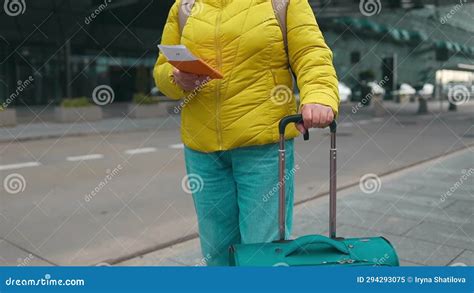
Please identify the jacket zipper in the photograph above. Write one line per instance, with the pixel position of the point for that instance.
(218, 82)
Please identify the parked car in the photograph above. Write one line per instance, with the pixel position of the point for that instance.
(427, 91)
(376, 88)
(345, 93)
(404, 93)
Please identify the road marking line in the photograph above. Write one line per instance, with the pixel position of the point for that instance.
(85, 158)
(19, 166)
(140, 151)
(178, 146)
(346, 124)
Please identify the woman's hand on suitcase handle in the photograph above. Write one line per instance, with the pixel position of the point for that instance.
(315, 116)
(188, 81)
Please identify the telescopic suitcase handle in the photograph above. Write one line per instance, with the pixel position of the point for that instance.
(298, 119)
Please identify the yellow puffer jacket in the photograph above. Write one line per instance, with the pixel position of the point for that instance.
(243, 40)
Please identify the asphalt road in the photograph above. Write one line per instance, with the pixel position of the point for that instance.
(139, 201)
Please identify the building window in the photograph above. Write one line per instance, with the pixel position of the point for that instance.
(355, 57)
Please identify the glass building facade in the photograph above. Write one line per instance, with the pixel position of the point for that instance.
(67, 47)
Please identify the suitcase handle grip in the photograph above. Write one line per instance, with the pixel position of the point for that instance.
(299, 119)
(312, 239)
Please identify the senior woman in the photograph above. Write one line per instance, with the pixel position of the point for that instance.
(230, 126)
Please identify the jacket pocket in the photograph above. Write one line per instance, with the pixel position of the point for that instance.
(282, 93)
(282, 77)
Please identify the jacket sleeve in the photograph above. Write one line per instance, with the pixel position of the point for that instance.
(163, 71)
(311, 58)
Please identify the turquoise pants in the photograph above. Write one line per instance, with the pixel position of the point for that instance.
(236, 199)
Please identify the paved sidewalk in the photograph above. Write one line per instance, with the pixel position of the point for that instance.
(47, 130)
(426, 212)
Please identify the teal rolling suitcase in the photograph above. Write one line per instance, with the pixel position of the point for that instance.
(314, 250)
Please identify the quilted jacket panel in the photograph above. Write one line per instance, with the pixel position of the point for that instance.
(242, 38)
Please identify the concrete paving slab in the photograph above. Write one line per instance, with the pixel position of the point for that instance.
(406, 263)
(150, 260)
(308, 219)
(13, 256)
(466, 258)
(377, 222)
(461, 207)
(442, 195)
(184, 254)
(414, 197)
(404, 209)
(461, 236)
(441, 186)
